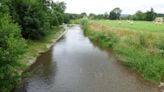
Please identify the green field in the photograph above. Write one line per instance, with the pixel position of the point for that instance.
(137, 25)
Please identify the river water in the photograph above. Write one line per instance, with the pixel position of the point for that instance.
(74, 64)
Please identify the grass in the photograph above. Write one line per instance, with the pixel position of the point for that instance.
(142, 51)
(34, 48)
(137, 26)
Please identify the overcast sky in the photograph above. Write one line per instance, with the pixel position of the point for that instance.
(101, 6)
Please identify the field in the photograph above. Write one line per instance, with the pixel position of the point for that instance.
(140, 45)
(137, 25)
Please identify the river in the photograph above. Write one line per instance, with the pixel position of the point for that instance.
(75, 64)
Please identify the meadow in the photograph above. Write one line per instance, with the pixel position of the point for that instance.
(140, 45)
(136, 26)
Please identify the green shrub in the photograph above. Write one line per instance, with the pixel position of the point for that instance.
(11, 47)
(84, 23)
(105, 39)
(160, 46)
(150, 67)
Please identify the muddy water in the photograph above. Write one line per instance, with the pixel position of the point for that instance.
(74, 64)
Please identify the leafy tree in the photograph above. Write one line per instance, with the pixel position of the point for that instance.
(150, 15)
(106, 15)
(100, 16)
(92, 16)
(58, 6)
(31, 15)
(57, 10)
(115, 14)
(83, 14)
(139, 16)
(147, 16)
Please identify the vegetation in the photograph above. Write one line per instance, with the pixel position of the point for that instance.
(22, 22)
(148, 16)
(11, 47)
(136, 26)
(35, 17)
(115, 14)
(140, 50)
(26, 26)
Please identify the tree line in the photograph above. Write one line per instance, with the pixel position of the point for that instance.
(22, 20)
(115, 14)
(148, 16)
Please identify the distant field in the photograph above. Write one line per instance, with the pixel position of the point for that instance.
(136, 26)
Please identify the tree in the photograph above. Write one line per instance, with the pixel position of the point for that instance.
(115, 14)
(57, 11)
(58, 6)
(31, 15)
(150, 15)
(92, 16)
(83, 14)
(139, 16)
(106, 15)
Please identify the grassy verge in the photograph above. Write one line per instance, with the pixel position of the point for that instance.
(139, 50)
(34, 48)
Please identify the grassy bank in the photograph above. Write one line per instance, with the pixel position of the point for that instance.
(142, 51)
(35, 48)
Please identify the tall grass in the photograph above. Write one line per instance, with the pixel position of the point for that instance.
(141, 51)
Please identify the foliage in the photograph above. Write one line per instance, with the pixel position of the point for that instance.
(84, 23)
(11, 47)
(37, 16)
(139, 16)
(148, 16)
(83, 14)
(115, 14)
(31, 16)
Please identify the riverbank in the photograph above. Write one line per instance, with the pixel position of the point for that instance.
(36, 48)
(141, 51)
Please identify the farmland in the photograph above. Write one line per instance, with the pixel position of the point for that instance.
(137, 25)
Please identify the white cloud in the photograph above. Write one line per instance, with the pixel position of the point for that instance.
(101, 6)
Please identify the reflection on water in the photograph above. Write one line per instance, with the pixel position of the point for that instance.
(74, 64)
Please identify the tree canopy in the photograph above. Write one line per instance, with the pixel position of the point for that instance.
(115, 14)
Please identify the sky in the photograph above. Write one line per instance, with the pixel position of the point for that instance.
(102, 6)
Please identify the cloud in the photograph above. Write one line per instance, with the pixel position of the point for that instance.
(101, 6)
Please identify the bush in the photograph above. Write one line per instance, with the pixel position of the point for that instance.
(84, 23)
(11, 47)
(160, 46)
(32, 16)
